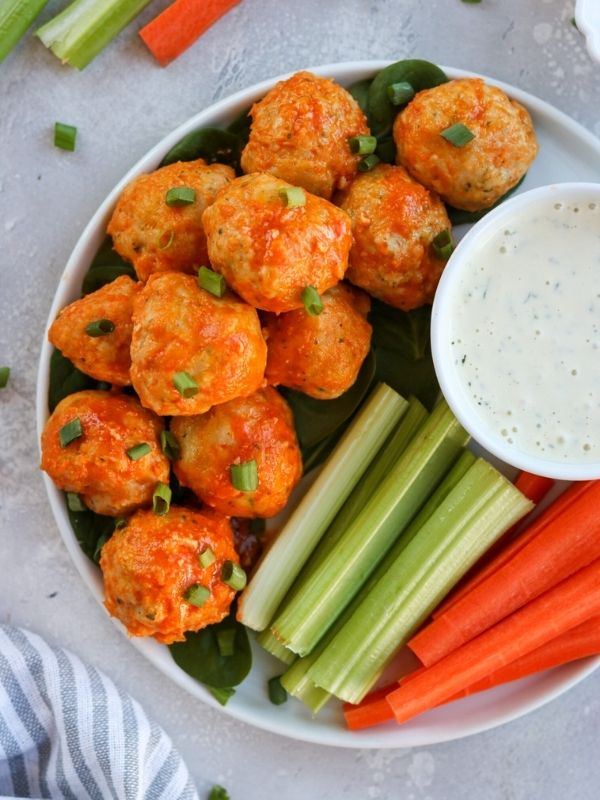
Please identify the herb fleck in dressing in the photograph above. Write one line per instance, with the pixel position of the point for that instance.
(525, 337)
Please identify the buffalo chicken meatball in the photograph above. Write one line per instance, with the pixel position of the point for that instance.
(320, 355)
(476, 174)
(300, 132)
(155, 582)
(190, 349)
(258, 429)
(269, 252)
(394, 221)
(156, 236)
(106, 448)
(95, 332)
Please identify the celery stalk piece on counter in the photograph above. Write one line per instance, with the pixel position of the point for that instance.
(398, 498)
(268, 642)
(84, 28)
(343, 469)
(15, 17)
(470, 519)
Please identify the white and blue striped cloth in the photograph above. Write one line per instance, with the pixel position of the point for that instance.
(66, 731)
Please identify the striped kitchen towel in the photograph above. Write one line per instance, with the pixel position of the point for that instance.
(66, 731)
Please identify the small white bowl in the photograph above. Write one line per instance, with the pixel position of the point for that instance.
(485, 416)
(587, 17)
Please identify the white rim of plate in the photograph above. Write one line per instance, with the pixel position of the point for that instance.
(86, 246)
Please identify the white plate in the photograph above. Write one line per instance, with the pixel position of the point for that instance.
(567, 153)
(587, 17)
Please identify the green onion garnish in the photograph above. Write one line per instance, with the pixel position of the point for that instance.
(313, 304)
(400, 93)
(169, 445)
(233, 575)
(277, 694)
(69, 432)
(212, 281)
(185, 384)
(218, 792)
(4, 376)
(138, 451)
(207, 557)
(292, 196)
(368, 162)
(180, 196)
(442, 245)
(64, 136)
(100, 327)
(74, 502)
(165, 240)
(196, 594)
(161, 499)
(226, 641)
(121, 522)
(458, 135)
(363, 145)
(244, 477)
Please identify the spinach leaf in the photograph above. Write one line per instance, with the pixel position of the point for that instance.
(460, 217)
(360, 92)
(106, 266)
(241, 127)
(212, 144)
(386, 149)
(65, 379)
(91, 531)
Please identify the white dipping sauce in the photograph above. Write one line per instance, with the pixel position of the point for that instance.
(525, 332)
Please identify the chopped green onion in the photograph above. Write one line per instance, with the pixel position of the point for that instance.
(222, 695)
(218, 792)
(313, 304)
(207, 557)
(292, 196)
(212, 281)
(64, 136)
(185, 384)
(139, 451)
(180, 196)
(363, 145)
(74, 502)
(471, 1)
(161, 499)
(4, 376)
(400, 93)
(226, 641)
(277, 694)
(244, 477)
(196, 594)
(69, 432)
(100, 327)
(233, 575)
(15, 17)
(121, 522)
(169, 445)
(458, 135)
(368, 162)
(442, 245)
(165, 240)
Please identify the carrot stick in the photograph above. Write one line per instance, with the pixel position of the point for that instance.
(175, 29)
(561, 608)
(564, 545)
(373, 710)
(558, 507)
(534, 487)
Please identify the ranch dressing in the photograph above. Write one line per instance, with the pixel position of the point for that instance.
(525, 332)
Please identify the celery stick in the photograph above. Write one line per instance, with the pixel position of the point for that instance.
(475, 513)
(400, 495)
(84, 28)
(15, 17)
(268, 642)
(343, 469)
(296, 683)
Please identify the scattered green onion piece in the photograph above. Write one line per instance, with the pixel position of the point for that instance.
(100, 327)
(233, 575)
(196, 595)
(180, 196)
(212, 281)
(74, 502)
(368, 162)
(207, 557)
(277, 694)
(458, 135)
(363, 145)
(442, 245)
(64, 136)
(161, 499)
(218, 792)
(226, 641)
(169, 445)
(121, 522)
(165, 240)
(139, 451)
(244, 477)
(471, 1)
(185, 384)
(292, 196)
(313, 304)
(69, 432)
(222, 695)
(4, 376)
(400, 93)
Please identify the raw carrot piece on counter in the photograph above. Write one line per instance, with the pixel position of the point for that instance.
(169, 34)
